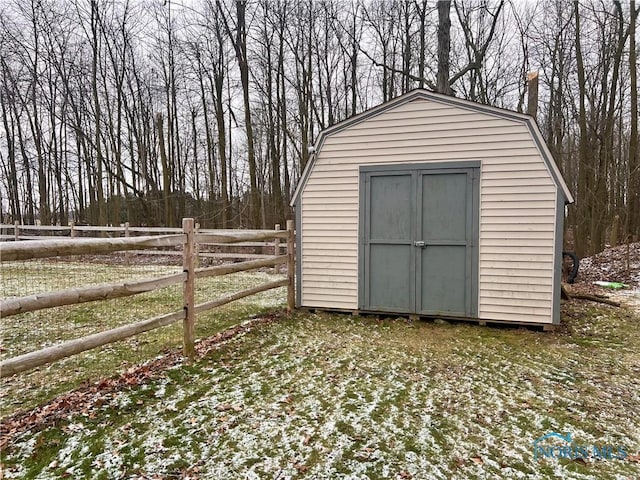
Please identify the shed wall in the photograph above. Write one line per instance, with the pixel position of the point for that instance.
(517, 205)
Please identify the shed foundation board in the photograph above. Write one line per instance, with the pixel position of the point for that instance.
(547, 327)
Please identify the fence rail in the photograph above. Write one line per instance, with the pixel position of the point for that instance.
(187, 238)
(11, 251)
(206, 248)
(72, 296)
(16, 228)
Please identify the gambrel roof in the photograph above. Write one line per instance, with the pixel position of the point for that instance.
(420, 94)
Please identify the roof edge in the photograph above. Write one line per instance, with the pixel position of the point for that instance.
(407, 97)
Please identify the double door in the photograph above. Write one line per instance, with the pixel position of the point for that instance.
(419, 240)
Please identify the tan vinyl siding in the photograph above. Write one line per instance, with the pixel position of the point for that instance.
(517, 204)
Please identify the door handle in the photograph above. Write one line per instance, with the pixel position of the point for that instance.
(420, 243)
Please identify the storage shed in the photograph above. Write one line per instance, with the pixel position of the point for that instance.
(436, 206)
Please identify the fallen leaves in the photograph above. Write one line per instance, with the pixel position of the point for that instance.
(611, 265)
(223, 407)
(88, 398)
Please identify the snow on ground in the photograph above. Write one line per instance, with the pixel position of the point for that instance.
(630, 298)
(327, 397)
(35, 330)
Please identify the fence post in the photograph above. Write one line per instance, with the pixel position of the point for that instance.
(291, 289)
(196, 251)
(276, 252)
(188, 265)
(73, 233)
(127, 255)
(16, 230)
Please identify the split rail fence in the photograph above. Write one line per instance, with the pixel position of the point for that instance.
(211, 250)
(188, 239)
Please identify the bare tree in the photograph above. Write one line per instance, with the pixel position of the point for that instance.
(238, 37)
(633, 215)
(443, 82)
(116, 111)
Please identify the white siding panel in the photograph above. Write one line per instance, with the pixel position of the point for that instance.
(533, 315)
(489, 203)
(339, 264)
(513, 177)
(326, 248)
(433, 147)
(516, 281)
(328, 184)
(338, 303)
(511, 249)
(517, 183)
(317, 254)
(521, 169)
(323, 210)
(331, 200)
(518, 214)
(331, 276)
(316, 230)
(337, 190)
(527, 258)
(510, 193)
(504, 266)
(477, 141)
(502, 224)
(445, 131)
(445, 155)
(332, 284)
(516, 238)
(517, 211)
(525, 293)
(420, 127)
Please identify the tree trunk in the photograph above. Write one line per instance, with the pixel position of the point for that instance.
(166, 173)
(422, 14)
(240, 46)
(102, 212)
(444, 47)
(633, 186)
(12, 173)
(582, 201)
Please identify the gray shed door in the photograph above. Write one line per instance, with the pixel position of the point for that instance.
(419, 242)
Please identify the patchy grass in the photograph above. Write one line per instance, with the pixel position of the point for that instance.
(31, 331)
(329, 396)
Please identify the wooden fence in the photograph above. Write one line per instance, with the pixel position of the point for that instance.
(206, 250)
(187, 238)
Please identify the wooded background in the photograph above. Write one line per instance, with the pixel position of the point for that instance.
(148, 111)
